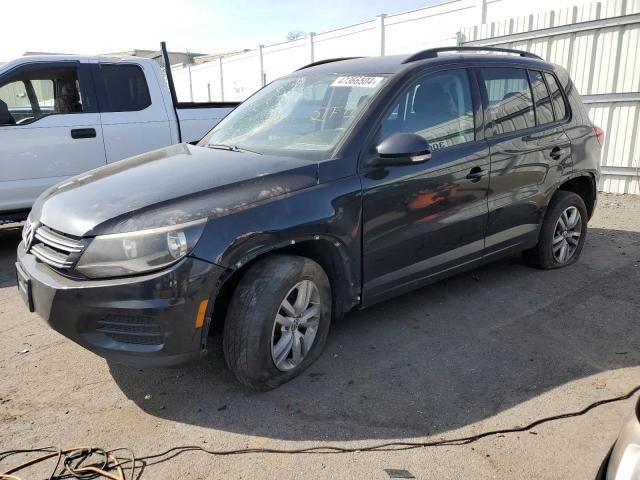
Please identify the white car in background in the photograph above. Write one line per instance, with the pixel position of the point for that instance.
(63, 115)
(623, 460)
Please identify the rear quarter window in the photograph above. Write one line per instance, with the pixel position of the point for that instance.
(557, 98)
(544, 109)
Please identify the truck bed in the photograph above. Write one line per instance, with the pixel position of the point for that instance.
(196, 119)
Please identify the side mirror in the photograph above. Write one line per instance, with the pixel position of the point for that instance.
(403, 149)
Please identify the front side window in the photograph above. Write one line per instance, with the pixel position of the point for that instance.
(544, 110)
(29, 95)
(437, 107)
(301, 116)
(125, 89)
(510, 105)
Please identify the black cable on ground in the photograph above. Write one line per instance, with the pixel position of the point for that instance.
(171, 453)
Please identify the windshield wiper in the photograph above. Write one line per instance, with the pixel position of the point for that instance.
(231, 148)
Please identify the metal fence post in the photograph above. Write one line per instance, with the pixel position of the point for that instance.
(221, 79)
(380, 31)
(190, 83)
(261, 61)
(311, 47)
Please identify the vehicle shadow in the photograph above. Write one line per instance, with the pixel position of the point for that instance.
(440, 358)
(10, 236)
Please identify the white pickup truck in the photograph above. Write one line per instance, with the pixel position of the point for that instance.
(63, 115)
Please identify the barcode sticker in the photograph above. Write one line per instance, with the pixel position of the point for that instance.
(357, 81)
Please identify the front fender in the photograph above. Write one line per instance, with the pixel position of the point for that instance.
(330, 212)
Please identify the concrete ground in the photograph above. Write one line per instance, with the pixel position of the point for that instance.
(494, 348)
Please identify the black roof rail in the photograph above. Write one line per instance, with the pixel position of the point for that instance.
(328, 60)
(433, 52)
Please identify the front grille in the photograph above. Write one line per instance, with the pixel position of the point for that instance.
(57, 240)
(51, 256)
(135, 330)
(51, 247)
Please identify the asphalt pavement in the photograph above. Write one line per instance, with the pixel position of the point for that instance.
(494, 348)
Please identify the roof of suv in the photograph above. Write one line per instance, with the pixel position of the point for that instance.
(395, 63)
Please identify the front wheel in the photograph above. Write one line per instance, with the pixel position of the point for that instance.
(278, 321)
(563, 232)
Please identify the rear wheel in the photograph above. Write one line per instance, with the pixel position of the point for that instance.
(278, 321)
(562, 234)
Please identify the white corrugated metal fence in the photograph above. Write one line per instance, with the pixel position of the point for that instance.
(597, 42)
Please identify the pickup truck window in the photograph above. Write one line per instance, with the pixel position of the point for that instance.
(301, 116)
(437, 107)
(30, 95)
(125, 89)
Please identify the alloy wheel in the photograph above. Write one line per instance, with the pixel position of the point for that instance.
(566, 235)
(296, 325)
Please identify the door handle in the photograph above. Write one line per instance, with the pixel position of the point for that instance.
(83, 133)
(476, 174)
(556, 152)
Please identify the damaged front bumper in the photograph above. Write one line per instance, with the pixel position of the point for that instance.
(145, 321)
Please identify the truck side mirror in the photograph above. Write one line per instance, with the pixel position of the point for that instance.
(403, 149)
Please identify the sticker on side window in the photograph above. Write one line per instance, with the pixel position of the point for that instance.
(438, 144)
(357, 81)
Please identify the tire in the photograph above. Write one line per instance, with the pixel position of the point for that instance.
(253, 340)
(548, 254)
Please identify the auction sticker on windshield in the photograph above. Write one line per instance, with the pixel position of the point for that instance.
(357, 81)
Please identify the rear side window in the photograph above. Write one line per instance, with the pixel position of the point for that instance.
(125, 89)
(559, 105)
(510, 105)
(544, 111)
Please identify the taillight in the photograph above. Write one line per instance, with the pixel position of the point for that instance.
(599, 133)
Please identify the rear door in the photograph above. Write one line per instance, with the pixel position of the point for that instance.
(530, 154)
(134, 117)
(427, 219)
(49, 131)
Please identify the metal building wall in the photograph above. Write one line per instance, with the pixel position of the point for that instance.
(598, 43)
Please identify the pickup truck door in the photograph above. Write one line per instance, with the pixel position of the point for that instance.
(49, 129)
(427, 219)
(134, 117)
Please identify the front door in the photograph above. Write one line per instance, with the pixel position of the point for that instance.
(49, 130)
(427, 219)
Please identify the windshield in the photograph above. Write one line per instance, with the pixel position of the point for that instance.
(302, 116)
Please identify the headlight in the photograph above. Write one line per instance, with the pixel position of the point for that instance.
(130, 253)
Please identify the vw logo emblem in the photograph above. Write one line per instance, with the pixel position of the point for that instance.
(27, 235)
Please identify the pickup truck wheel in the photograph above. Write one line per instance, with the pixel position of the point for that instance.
(562, 234)
(278, 321)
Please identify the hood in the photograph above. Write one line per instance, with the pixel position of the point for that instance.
(169, 186)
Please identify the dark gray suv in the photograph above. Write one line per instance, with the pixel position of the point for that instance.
(343, 184)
